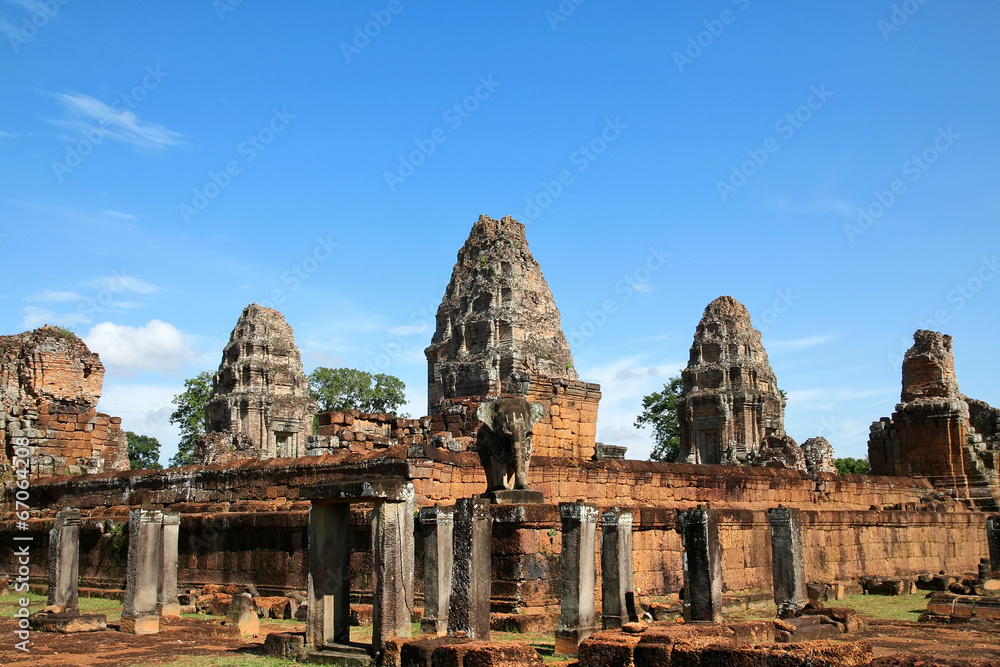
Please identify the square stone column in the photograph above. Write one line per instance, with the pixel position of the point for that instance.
(437, 526)
(617, 589)
(329, 611)
(167, 599)
(392, 557)
(469, 605)
(64, 561)
(579, 576)
(142, 586)
(788, 561)
(702, 564)
(993, 539)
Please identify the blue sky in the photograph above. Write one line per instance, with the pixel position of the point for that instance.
(164, 165)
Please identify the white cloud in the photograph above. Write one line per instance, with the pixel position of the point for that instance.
(51, 295)
(799, 343)
(35, 317)
(123, 283)
(155, 346)
(144, 409)
(624, 382)
(118, 214)
(7, 135)
(91, 115)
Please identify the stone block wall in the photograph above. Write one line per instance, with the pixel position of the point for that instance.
(366, 432)
(50, 384)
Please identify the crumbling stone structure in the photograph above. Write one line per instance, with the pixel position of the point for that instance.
(499, 332)
(260, 406)
(50, 384)
(935, 430)
(730, 402)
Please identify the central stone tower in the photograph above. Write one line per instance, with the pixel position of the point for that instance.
(260, 405)
(499, 332)
(730, 403)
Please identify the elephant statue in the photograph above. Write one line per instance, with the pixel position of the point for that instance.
(504, 441)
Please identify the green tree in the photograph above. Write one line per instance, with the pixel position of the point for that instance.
(851, 466)
(143, 451)
(659, 411)
(190, 415)
(338, 389)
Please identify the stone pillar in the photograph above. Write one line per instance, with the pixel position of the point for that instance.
(617, 590)
(139, 613)
(702, 564)
(437, 524)
(64, 561)
(993, 538)
(392, 557)
(329, 611)
(579, 575)
(167, 603)
(469, 605)
(788, 561)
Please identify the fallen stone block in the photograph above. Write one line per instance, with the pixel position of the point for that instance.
(242, 617)
(608, 648)
(286, 645)
(141, 625)
(67, 623)
(214, 604)
(419, 652)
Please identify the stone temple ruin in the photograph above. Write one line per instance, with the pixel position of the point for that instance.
(386, 520)
(260, 405)
(50, 384)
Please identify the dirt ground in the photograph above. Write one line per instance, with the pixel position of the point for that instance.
(197, 640)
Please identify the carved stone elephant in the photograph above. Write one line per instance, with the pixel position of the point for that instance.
(504, 441)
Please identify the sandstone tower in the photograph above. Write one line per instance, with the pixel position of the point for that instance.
(499, 332)
(730, 403)
(260, 405)
(50, 384)
(936, 432)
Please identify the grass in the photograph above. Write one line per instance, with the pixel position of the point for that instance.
(887, 607)
(110, 608)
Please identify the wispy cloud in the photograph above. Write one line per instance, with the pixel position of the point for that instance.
(154, 346)
(409, 329)
(828, 398)
(52, 295)
(800, 343)
(86, 113)
(118, 214)
(35, 316)
(7, 135)
(123, 284)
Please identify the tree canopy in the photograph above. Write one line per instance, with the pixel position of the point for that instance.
(190, 415)
(851, 466)
(659, 411)
(143, 452)
(338, 389)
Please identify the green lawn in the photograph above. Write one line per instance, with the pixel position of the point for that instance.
(111, 608)
(888, 607)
